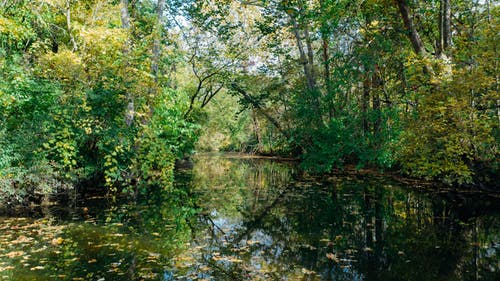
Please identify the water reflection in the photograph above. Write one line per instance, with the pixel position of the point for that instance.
(260, 224)
(251, 219)
(98, 240)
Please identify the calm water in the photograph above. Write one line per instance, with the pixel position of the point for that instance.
(248, 219)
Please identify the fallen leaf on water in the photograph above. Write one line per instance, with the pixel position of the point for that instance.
(204, 268)
(37, 268)
(310, 247)
(21, 240)
(57, 241)
(14, 254)
(217, 258)
(332, 256)
(185, 259)
(307, 272)
(234, 259)
(39, 249)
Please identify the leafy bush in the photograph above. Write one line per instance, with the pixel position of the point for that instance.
(447, 136)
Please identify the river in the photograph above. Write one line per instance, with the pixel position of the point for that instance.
(242, 218)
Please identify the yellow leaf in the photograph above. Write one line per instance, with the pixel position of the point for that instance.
(57, 241)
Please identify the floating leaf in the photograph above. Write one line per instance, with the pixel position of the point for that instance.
(39, 267)
(57, 241)
(333, 257)
(14, 254)
(308, 272)
(6, 268)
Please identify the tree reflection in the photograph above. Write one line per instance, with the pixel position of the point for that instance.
(251, 219)
(130, 240)
(353, 229)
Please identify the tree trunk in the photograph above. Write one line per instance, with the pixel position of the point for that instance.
(365, 101)
(326, 61)
(310, 54)
(415, 39)
(304, 60)
(444, 27)
(446, 24)
(155, 60)
(68, 24)
(445, 38)
(440, 44)
(377, 84)
(327, 75)
(125, 18)
(325, 44)
(307, 60)
(488, 10)
(157, 40)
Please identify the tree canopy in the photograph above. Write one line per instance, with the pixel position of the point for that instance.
(112, 92)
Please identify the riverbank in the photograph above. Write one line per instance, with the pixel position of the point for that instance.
(492, 187)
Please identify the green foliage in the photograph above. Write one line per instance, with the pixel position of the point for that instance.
(344, 83)
(167, 137)
(342, 141)
(454, 129)
(24, 105)
(83, 95)
(226, 127)
(448, 135)
(69, 75)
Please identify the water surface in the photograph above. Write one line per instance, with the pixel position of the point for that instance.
(235, 218)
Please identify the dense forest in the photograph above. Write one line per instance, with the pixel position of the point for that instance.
(113, 92)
